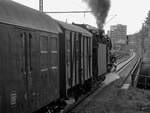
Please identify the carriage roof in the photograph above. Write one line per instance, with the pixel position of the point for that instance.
(75, 28)
(20, 15)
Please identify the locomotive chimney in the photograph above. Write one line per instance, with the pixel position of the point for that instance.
(100, 10)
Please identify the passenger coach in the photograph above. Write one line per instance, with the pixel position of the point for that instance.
(29, 59)
(75, 60)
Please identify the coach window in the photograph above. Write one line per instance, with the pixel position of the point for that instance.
(54, 53)
(44, 53)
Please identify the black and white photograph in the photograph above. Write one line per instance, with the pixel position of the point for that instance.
(74, 56)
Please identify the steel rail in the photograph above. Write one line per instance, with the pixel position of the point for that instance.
(124, 59)
(131, 72)
(124, 65)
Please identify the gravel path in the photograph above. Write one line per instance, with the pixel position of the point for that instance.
(116, 100)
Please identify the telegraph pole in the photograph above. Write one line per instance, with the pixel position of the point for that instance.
(41, 5)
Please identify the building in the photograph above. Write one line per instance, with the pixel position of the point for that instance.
(135, 43)
(118, 35)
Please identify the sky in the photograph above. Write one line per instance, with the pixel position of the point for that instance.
(127, 12)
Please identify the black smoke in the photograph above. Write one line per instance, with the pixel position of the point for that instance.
(100, 10)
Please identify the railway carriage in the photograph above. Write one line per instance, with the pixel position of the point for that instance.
(76, 59)
(29, 59)
(44, 61)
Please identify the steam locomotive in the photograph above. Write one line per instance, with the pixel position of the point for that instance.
(44, 61)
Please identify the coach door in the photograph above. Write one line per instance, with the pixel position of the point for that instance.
(26, 64)
(86, 58)
(77, 58)
(82, 60)
(68, 59)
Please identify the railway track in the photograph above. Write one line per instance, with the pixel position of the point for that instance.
(122, 59)
(101, 87)
(134, 64)
(123, 66)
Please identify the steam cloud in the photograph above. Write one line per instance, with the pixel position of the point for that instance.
(100, 10)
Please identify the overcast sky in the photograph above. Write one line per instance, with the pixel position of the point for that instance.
(128, 12)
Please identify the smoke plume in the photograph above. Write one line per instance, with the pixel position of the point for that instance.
(100, 10)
